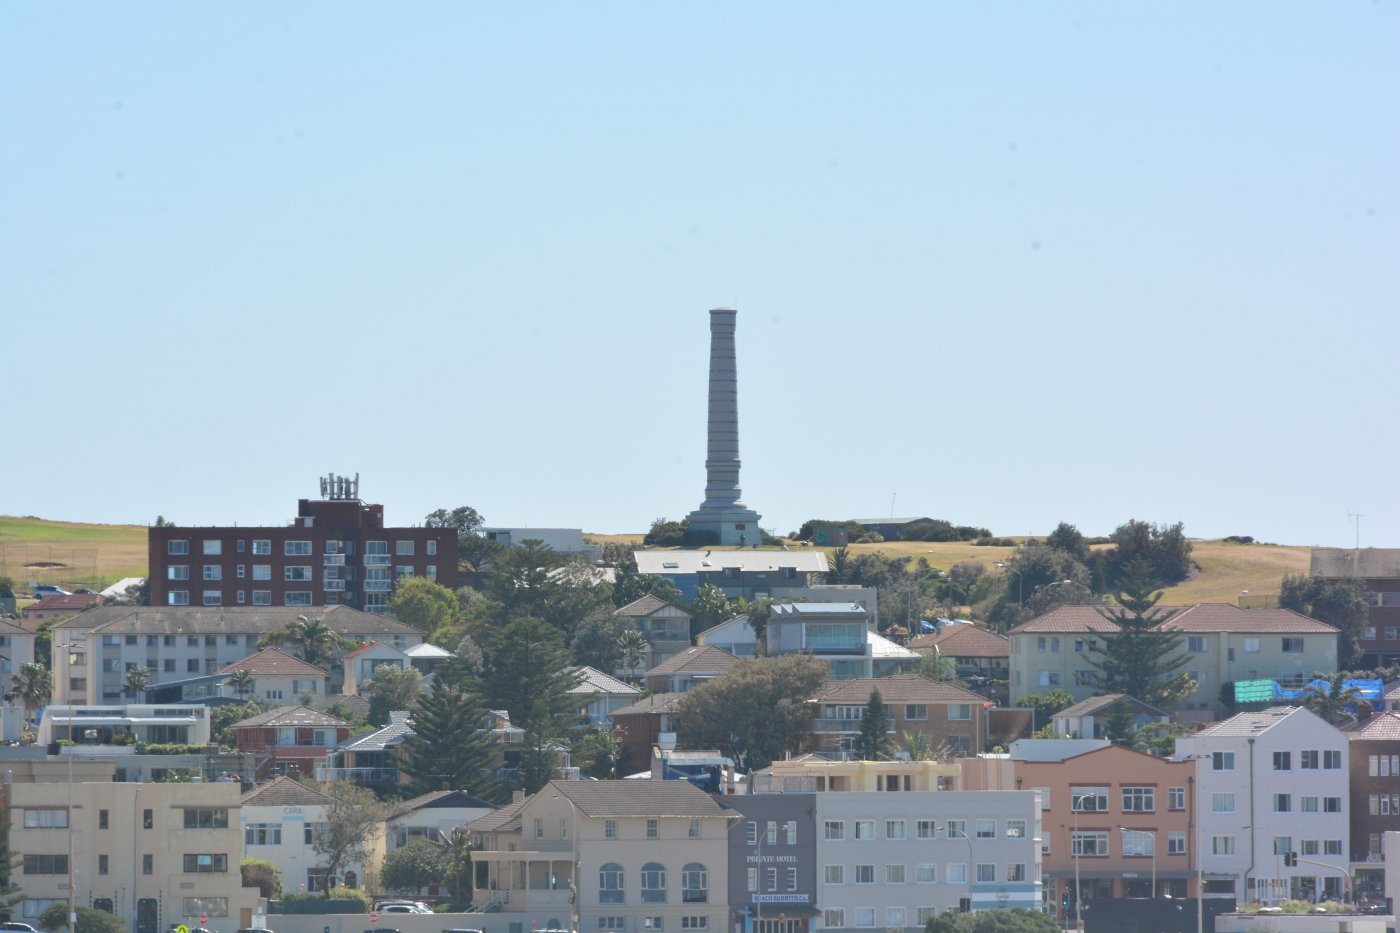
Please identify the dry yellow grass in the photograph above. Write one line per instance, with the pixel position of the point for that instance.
(70, 554)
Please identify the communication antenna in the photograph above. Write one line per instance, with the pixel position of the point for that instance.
(1356, 517)
(892, 497)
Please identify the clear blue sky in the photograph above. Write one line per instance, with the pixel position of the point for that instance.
(1010, 263)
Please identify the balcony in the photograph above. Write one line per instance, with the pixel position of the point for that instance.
(824, 724)
(359, 775)
(334, 560)
(378, 586)
(377, 560)
(334, 586)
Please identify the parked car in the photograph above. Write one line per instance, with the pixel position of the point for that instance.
(383, 902)
(12, 927)
(254, 930)
(404, 909)
(45, 589)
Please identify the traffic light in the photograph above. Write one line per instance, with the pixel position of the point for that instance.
(1290, 859)
(1064, 898)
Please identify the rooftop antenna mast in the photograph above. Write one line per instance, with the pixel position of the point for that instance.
(1356, 518)
(892, 496)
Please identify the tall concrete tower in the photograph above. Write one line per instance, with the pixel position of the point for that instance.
(723, 513)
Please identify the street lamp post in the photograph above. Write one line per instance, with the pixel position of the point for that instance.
(1076, 846)
(1153, 836)
(575, 889)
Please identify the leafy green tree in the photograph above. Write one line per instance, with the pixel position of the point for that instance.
(709, 608)
(464, 519)
(423, 604)
(539, 761)
(1044, 706)
(873, 743)
(633, 646)
(222, 718)
(32, 686)
(597, 640)
(11, 894)
(527, 661)
(519, 578)
(760, 614)
(1165, 548)
(575, 590)
(630, 585)
(451, 747)
(469, 656)
(1030, 567)
(599, 754)
(1141, 659)
(137, 678)
(1337, 703)
(1067, 538)
(261, 874)
(312, 640)
(756, 712)
(1339, 603)
(1118, 727)
(936, 667)
(354, 816)
(1000, 920)
(243, 682)
(414, 866)
(392, 688)
(665, 533)
(55, 917)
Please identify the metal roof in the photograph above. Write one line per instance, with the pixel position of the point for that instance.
(805, 560)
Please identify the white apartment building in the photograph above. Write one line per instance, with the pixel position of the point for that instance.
(1269, 784)
(280, 821)
(890, 861)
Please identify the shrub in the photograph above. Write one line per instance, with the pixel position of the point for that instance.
(261, 874)
(55, 917)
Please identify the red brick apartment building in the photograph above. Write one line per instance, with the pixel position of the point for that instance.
(336, 552)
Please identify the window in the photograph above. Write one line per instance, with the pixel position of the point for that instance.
(865, 874)
(957, 873)
(1282, 844)
(296, 573)
(926, 873)
(791, 879)
(1385, 804)
(1283, 761)
(1307, 805)
(834, 917)
(1089, 799)
(206, 818)
(926, 829)
(772, 876)
(1016, 871)
(693, 923)
(1089, 844)
(986, 829)
(148, 819)
(895, 917)
(1222, 803)
(894, 829)
(101, 819)
(836, 874)
(262, 571)
(177, 572)
(610, 829)
(986, 873)
(1049, 678)
(1044, 793)
(1196, 644)
(213, 572)
(403, 570)
(1332, 761)
(1139, 799)
(834, 830)
(1332, 847)
(430, 547)
(213, 906)
(791, 832)
(1283, 803)
(653, 829)
(957, 829)
(262, 546)
(1139, 843)
(213, 547)
(1331, 805)
(1308, 760)
(1293, 646)
(693, 831)
(177, 548)
(894, 874)
(178, 598)
(1015, 829)
(1222, 761)
(959, 712)
(865, 917)
(751, 833)
(695, 884)
(915, 711)
(262, 834)
(296, 548)
(753, 879)
(46, 864)
(653, 881)
(1251, 645)
(865, 830)
(1222, 845)
(102, 864)
(206, 862)
(213, 597)
(1176, 798)
(297, 598)
(608, 924)
(403, 548)
(45, 819)
(770, 835)
(1176, 843)
(1310, 847)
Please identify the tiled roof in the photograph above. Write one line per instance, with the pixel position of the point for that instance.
(273, 662)
(1095, 705)
(640, 608)
(284, 792)
(748, 560)
(66, 602)
(1248, 724)
(1382, 727)
(697, 659)
(900, 688)
(656, 703)
(966, 641)
(351, 701)
(594, 681)
(500, 820)
(1223, 617)
(1067, 619)
(1376, 563)
(442, 798)
(230, 620)
(291, 716)
(637, 798)
(384, 737)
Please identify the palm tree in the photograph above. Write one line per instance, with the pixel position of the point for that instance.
(918, 745)
(32, 686)
(633, 645)
(1334, 701)
(137, 679)
(459, 860)
(242, 682)
(311, 638)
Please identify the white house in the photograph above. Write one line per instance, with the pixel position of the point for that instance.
(1288, 768)
(434, 816)
(280, 822)
(839, 634)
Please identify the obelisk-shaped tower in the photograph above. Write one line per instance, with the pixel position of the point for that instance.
(723, 514)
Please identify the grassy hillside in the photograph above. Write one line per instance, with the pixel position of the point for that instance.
(70, 554)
